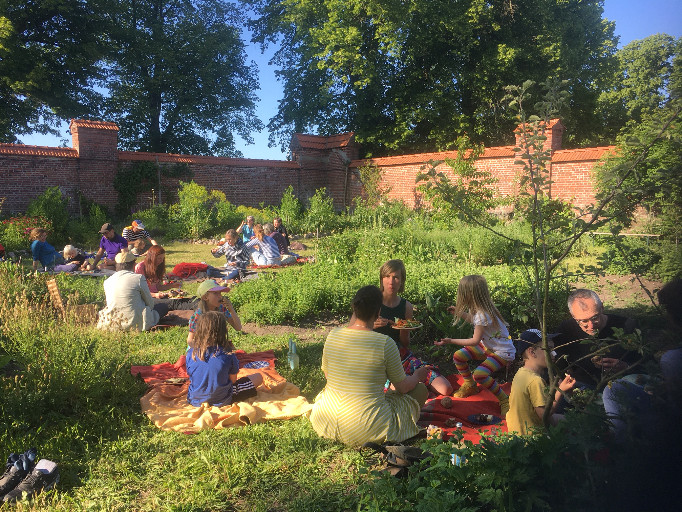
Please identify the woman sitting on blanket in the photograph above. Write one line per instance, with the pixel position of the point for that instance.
(392, 282)
(264, 250)
(236, 256)
(153, 267)
(353, 407)
(212, 367)
(73, 260)
(211, 299)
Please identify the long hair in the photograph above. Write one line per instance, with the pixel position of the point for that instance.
(473, 296)
(390, 267)
(259, 232)
(211, 331)
(155, 264)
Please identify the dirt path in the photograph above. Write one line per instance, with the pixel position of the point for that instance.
(306, 332)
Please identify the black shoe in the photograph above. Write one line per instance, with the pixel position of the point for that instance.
(18, 467)
(43, 477)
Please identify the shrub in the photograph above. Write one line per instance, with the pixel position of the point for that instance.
(53, 206)
(15, 231)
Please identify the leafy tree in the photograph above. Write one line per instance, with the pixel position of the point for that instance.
(49, 53)
(409, 76)
(179, 81)
(640, 83)
(320, 215)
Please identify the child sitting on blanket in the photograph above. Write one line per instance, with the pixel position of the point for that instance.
(528, 392)
(212, 367)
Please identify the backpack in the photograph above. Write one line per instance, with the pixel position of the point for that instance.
(398, 457)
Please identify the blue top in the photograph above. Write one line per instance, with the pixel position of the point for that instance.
(114, 246)
(268, 247)
(247, 233)
(209, 380)
(44, 252)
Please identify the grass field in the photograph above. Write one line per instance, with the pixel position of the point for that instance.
(69, 392)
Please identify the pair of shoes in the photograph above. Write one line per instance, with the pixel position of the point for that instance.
(17, 468)
(43, 477)
(467, 389)
(504, 406)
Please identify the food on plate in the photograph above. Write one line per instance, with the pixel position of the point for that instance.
(402, 323)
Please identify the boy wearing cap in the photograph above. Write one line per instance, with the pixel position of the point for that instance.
(137, 236)
(109, 246)
(211, 299)
(529, 390)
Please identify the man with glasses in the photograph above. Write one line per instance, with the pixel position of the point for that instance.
(589, 321)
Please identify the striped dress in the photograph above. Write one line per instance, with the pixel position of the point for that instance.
(353, 408)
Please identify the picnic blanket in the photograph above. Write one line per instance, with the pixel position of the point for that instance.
(299, 261)
(433, 412)
(165, 403)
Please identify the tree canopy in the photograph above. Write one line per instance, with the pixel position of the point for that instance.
(409, 76)
(179, 81)
(49, 53)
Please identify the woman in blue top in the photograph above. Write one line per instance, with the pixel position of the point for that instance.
(212, 367)
(264, 250)
(44, 255)
(246, 228)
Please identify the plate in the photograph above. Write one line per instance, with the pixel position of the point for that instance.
(411, 328)
(484, 419)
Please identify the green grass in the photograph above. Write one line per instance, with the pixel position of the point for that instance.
(69, 392)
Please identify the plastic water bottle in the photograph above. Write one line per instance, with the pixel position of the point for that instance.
(292, 356)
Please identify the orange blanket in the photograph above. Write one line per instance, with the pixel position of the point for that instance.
(165, 403)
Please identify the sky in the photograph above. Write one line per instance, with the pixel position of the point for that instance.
(634, 19)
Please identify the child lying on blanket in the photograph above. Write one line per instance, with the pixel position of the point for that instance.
(212, 367)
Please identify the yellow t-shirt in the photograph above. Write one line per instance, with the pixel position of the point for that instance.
(353, 408)
(527, 393)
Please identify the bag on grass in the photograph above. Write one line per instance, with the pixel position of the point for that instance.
(398, 457)
(185, 270)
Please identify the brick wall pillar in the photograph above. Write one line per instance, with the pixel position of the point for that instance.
(96, 143)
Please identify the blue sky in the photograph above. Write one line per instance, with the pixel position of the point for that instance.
(635, 19)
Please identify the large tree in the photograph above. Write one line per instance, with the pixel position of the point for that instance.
(179, 81)
(49, 53)
(408, 76)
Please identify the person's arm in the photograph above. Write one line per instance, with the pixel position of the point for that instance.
(98, 256)
(152, 241)
(466, 342)
(410, 381)
(146, 294)
(233, 320)
(566, 385)
(241, 227)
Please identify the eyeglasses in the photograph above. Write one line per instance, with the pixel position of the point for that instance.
(592, 320)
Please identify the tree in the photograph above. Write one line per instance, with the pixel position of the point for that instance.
(179, 81)
(640, 83)
(49, 53)
(409, 76)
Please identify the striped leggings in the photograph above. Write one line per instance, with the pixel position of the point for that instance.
(482, 374)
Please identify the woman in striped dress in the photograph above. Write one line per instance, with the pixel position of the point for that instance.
(263, 249)
(353, 407)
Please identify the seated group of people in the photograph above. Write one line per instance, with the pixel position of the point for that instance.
(265, 244)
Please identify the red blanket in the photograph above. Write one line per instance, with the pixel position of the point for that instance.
(433, 412)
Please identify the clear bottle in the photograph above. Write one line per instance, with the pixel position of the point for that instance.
(292, 356)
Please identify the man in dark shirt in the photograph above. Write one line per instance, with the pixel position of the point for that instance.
(279, 228)
(590, 322)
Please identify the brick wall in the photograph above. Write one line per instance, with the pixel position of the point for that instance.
(317, 161)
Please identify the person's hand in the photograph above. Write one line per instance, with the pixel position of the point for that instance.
(443, 341)
(611, 364)
(381, 322)
(214, 250)
(451, 310)
(567, 384)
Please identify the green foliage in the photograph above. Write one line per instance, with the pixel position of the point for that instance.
(15, 231)
(130, 181)
(196, 207)
(320, 215)
(405, 84)
(52, 205)
(290, 210)
(179, 81)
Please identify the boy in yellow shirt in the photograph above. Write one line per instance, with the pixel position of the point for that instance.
(529, 390)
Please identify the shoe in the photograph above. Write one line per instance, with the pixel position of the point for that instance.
(467, 389)
(43, 477)
(504, 406)
(18, 467)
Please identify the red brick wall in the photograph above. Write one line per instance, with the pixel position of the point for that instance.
(331, 162)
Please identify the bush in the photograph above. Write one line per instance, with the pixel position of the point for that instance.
(53, 206)
(15, 231)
